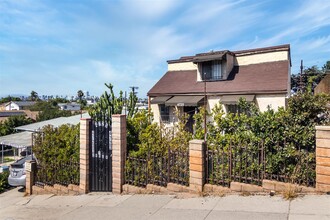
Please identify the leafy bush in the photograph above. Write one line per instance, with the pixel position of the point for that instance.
(57, 153)
(8, 126)
(157, 147)
(287, 136)
(4, 181)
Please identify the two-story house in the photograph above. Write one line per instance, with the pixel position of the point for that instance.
(260, 75)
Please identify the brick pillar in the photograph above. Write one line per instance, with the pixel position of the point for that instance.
(323, 158)
(196, 165)
(84, 155)
(119, 149)
(30, 169)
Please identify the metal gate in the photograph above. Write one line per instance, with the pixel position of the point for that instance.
(100, 154)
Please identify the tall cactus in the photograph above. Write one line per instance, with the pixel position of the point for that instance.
(109, 104)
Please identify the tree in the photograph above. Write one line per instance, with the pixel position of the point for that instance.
(34, 96)
(81, 95)
(8, 126)
(309, 79)
(48, 110)
(326, 66)
(9, 98)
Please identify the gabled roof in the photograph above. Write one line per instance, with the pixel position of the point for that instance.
(263, 78)
(11, 113)
(22, 103)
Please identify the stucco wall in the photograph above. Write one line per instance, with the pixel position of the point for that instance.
(182, 66)
(211, 102)
(273, 101)
(156, 113)
(261, 58)
(262, 101)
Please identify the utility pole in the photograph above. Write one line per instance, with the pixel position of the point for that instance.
(205, 108)
(301, 79)
(125, 103)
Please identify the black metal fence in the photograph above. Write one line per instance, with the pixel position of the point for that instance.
(252, 162)
(158, 169)
(57, 173)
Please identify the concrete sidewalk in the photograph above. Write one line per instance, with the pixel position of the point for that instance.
(13, 205)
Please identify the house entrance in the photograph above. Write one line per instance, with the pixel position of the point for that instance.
(100, 154)
(190, 110)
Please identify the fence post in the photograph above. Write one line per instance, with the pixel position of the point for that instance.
(323, 158)
(84, 155)
(30, 169)
(196, 165)
(119, 149)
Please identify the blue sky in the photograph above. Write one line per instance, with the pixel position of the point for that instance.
(61, 46)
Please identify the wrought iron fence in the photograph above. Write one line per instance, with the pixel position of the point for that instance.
(252, 162)
(158, 169)
(57, 173)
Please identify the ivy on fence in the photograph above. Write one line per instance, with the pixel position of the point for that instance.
(57, 154)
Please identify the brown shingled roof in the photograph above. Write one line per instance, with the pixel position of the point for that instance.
(270, 77)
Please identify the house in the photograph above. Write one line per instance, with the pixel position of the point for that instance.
(19, 105)
(259, 75)
(69, 106)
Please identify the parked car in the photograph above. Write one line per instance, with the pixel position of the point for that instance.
(17, 176)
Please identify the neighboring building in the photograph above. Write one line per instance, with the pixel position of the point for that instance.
(324, 85)
(19, 105)
(6, 114)
(69, 106)
(260, 75)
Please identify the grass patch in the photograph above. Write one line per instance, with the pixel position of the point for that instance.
(290, 193)
(8, 159)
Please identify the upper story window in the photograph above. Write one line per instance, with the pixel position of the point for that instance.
(211, 70)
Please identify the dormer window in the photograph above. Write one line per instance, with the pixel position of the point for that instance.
(211, 70)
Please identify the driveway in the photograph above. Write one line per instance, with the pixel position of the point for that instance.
(14, 205)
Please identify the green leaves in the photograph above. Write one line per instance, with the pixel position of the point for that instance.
(7, 126)
(57, 148)
(288, 135)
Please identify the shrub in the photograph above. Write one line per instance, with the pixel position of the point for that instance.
(4, 181)
(57, 153)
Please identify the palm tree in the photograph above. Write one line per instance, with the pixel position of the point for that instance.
(34, 95)
(80, 95)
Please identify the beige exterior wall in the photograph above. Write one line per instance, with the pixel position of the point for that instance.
(262, 101)
(156, 113)
(212, 101)
(273, 101)
(182, 66)
(261, 58)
